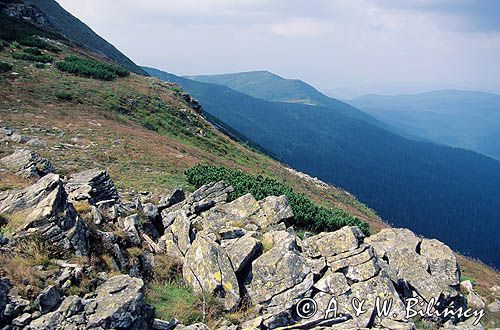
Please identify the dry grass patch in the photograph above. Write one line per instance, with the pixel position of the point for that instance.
(82, 207)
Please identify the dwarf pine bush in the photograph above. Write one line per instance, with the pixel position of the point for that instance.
(307, 214)
(90, 68)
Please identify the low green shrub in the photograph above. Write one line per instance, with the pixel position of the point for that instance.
(5, 67)
(40, 66)
(64, 96)
(36, 42)
(34, 51)
(90, 68)
(42, 58)
(307, 214)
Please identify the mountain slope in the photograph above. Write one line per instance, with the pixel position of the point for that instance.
(51, 15)
(271, 87)
(437, 191)
(465, 119)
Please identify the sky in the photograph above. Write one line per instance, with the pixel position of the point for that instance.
(343, 47)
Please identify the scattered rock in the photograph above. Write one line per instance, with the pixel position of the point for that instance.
(118, 303)
(4, 299)
(164, 325)
(466, 286)
(93, 185)
(28, 164)
(48, 299)
(22, 320)
(42, 210)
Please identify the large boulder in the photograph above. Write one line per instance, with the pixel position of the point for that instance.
(118, 303)
(28, 164)
(246, 210)
(42, 210)
(178, 236)
(442, 261)
(208, 270)
(48, 299)
(393, 238)
(422, 267)
(280, 277)
(94, 185)
(242, 251)
(174, 197)
(332, 243)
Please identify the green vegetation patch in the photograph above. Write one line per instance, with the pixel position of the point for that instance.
(176, 300)
(5, 67)
(36, 42)
(307, 214)
(29, 56)
(90, 68)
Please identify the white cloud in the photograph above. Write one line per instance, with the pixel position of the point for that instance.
(328, 43)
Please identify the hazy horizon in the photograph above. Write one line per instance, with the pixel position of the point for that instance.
(344, 48)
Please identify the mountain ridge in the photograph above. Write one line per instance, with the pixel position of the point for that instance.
(458, 118)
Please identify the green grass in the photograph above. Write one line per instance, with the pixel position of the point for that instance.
(175, 300)
(307, 214)
(467, 278)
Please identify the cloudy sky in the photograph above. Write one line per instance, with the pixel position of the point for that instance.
(343, 47)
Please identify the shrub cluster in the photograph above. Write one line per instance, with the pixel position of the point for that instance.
(29, 54)
(36, 42)
(86, 67)
(5, 67)
(307, 214)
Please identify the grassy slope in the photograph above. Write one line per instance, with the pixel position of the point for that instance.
(111, 132)
(99, 127)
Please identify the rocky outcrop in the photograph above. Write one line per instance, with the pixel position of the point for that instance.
(427, 266)
(28, 164)
(118, 304)
(42, 210)
(92, 185)
(27, 12)
(239, 252)
(193, 104)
